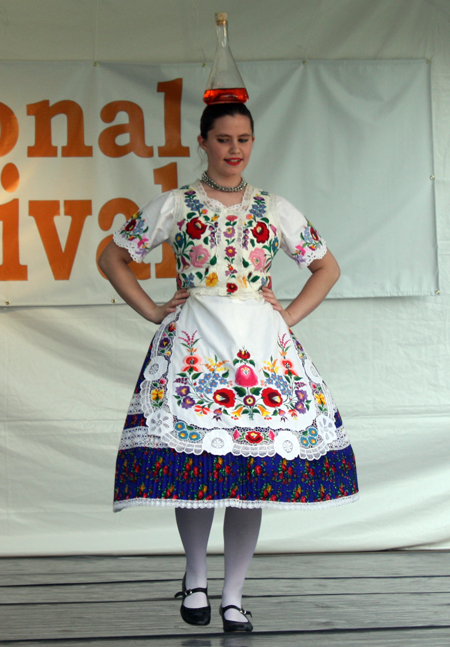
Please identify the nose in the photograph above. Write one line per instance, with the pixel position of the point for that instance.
(234, 146)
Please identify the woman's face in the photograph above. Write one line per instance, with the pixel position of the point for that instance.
(228, 146)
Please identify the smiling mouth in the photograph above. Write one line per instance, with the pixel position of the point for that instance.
(234, 161)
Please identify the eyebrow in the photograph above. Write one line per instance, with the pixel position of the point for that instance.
(227, 135)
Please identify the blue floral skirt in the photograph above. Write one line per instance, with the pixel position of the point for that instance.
(204, 430)
(166, 477)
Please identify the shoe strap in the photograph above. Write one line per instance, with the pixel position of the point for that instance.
(241, 610)
(187, 592)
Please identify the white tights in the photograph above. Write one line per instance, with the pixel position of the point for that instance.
(240, 531)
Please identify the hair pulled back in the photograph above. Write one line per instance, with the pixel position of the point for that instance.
(217, 110)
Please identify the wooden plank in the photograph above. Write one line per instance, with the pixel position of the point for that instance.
(151, 590)
(402, 638)
(381, 564)
(159, 618)
(62, 570)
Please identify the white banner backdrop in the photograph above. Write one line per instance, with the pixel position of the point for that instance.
(82, 146)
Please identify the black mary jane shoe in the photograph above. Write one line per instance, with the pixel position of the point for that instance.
(199, 616)
(234, 625)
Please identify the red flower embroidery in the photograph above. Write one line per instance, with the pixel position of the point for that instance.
(260, 232)
(196, 228)
(314, 234)
(231, 287)
(288, 366)
(224, 397)
(272, 397)
(254, 437)
(191, 361)
(243, 354)
(246, 376)
(131, 224)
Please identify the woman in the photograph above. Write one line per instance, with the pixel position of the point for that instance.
(228, 409)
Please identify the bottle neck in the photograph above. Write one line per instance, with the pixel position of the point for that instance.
(222, 34)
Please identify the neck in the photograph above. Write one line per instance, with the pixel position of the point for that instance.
(231, 181)
(231, 187)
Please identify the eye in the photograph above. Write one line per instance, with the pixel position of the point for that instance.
(221, 140)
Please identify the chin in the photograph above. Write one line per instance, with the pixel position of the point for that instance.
(234, 170)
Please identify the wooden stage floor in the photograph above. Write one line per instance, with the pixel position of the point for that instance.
(309, 600)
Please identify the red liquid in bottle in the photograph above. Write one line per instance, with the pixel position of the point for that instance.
(225, 95)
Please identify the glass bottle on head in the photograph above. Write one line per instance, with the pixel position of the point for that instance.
(225, 84)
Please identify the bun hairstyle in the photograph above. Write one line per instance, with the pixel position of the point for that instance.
(217, 110)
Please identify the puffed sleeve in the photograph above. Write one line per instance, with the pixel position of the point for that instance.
(148, 228)
(299, 239)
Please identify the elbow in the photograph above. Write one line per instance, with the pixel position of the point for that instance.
(107, 259)
(102, 261)
(336, 273)
(113, 259)
(332, 268)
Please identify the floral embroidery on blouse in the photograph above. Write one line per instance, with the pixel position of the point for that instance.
(220, 250)
(310, 241)
(135, 229)
(244, 246)
(194, 243)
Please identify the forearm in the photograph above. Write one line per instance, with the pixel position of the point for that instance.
(121, 277)
(324, 274)
(114, 262)
(313, 293)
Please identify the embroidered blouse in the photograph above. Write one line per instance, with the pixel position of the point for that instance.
(222, 250)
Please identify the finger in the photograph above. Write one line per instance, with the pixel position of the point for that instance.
(271, 298)
(178, 300)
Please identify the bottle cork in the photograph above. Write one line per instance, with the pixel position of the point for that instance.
(221, 18)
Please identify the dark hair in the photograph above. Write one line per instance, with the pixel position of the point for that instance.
(217, 110)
